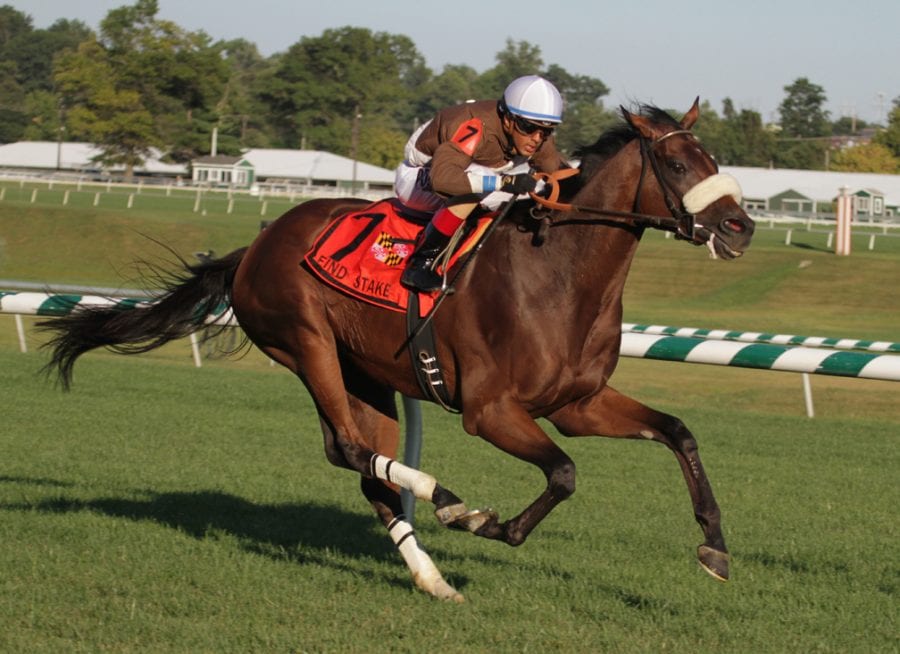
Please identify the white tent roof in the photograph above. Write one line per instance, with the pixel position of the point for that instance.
(822, 186)
(313, 164)
(72, 156)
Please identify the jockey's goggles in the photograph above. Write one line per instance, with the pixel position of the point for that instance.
(526, 127)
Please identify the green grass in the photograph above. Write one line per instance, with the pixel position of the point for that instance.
(159, 507)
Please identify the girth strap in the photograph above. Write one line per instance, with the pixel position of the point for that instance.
(423, 353)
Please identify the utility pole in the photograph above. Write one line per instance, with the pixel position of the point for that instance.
(354, 146)
(59, 136)
(880, 104)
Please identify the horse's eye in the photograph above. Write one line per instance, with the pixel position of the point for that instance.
(675, 166)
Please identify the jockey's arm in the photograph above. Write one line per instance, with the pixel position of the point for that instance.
(451, 174)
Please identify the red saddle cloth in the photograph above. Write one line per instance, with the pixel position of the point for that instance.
(363, 254)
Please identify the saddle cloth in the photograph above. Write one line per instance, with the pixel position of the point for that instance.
(363, 254)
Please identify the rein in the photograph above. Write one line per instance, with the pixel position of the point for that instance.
(680, 222)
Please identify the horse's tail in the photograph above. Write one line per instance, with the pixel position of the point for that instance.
(188, 298)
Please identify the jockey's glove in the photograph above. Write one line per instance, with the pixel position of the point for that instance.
(518, 184)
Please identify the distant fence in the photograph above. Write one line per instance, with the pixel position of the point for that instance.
(64, 190)
(862, 226)
(785, 352)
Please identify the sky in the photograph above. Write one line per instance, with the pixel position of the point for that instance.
(649, 51)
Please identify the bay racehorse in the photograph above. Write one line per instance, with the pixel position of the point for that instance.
(533, 331)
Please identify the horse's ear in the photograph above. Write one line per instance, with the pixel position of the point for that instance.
(691, 116)
(643, 125)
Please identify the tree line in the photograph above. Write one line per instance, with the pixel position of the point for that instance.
(142, 82)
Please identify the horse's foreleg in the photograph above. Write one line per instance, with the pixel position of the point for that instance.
(509, 427)
(386, 501)
(609, 413)
(375, 414)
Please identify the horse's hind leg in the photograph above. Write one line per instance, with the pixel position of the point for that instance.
(609, 413)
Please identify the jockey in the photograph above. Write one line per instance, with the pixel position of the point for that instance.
(475, 153)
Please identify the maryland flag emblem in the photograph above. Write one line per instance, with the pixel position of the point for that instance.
(388, 252)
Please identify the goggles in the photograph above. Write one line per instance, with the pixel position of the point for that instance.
(528, 128)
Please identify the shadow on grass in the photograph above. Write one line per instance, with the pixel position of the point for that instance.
(807, 246)
(796, 565)
(304, 533)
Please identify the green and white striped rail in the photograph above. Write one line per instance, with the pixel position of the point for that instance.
(46, 304)
(764, 356)
(60, 304)
(763, 337)
(715, 347)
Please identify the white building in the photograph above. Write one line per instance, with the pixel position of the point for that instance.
(788, 190)
(302, 168)
(50, 157)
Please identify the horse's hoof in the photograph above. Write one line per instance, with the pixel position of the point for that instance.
(449, 514)
(445, 591)
(714, 562)
(437, 587)
(474, 520)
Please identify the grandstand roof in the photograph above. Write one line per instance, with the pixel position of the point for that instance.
(48, 155)
(313, 165)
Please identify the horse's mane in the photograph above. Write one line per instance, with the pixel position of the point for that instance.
(616, 138)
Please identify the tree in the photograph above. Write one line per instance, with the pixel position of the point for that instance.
(749, 143)
(584, 117)
(866, 158)
(26, 71)
(242, 117)
(99, 110)
(889, 137)
(848, 126)
(13, 23)
(454, 85)
(518, 58)
(804, 126)
(583, 123)
(178, 75)
(321, 84)
(802, 111)
(33, 52)
(13, 118)
(46, 119)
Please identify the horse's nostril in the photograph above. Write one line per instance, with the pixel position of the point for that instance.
(734, 225)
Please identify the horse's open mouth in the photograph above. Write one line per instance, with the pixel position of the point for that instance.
(718, 248)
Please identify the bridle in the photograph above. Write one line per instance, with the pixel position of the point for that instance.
(681, 221)
(684, 221)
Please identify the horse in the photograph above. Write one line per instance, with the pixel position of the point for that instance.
(532, 331)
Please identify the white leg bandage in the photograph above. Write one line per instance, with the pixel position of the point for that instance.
(420, 564)
(420, 484)
(424, 572)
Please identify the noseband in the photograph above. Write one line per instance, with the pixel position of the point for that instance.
(682, 210)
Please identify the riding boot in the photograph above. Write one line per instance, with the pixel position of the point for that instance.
(419, 273)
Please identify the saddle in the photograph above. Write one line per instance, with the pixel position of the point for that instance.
(363, 254)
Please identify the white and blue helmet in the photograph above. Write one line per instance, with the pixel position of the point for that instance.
(534, 99)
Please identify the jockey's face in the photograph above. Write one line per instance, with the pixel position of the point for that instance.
(527, 137)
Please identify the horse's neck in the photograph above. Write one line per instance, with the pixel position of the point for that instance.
(616, 183)
(603, 247)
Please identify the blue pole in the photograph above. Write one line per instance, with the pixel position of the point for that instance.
(412, 453)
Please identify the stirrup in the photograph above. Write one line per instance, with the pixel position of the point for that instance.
(422, 278)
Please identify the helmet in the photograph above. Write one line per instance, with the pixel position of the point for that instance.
(533, 98)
